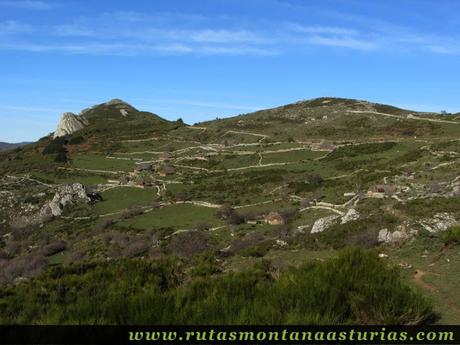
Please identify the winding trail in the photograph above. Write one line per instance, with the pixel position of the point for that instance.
(408, 117)
(418, 277)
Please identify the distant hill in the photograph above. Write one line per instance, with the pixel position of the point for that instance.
(11, 146)
(335, 119)
(115, 116)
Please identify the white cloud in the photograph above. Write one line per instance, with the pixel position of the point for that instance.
(333, 30)
(225, 36)
(72, 30)
(342, 42)
(121, 49)
(25, 4)
(134, 33)
(28, 109)
(11, 27)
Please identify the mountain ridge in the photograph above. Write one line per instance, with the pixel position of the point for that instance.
(4, 146)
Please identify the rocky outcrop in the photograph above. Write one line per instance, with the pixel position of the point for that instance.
(323, 223)
(123, 107)
(70, 123)
(439, 222)
(351, 215)
(387, 236)
(65, 196)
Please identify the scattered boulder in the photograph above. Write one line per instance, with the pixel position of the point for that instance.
(323, 223)
(440, 222)
(455, 191)
(351, 215)
(386, 236)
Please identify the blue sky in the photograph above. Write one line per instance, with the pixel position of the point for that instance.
(203, 59)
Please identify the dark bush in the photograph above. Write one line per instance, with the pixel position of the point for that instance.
(356, 287)
(61, 157)
(249, 240)
(76, 140)
(55, 146)
(103, 225)
(203, 227)
(24, 266)
(135, 249)
(131, 212)
(289, 214)
(451, 235)
(364, 239)
(282, 231)
(229, 214)
(54, 248)
(189, 243)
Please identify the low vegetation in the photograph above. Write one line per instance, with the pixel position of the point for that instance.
(358, 287)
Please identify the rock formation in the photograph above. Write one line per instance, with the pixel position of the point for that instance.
(323, 223)
(440, 222)
(351, 214)
(392, 237)
(70, 123)
(65, 196)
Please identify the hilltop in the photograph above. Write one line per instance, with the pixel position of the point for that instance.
(11, 146)
(117, 190)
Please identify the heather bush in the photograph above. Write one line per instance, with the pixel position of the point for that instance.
(356, 287)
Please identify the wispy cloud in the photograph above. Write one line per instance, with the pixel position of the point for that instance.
(135, 33)
(343, 42)
(11, 27)
(31, 109)
(25, 4)
(331, 30)
(201, 104)
(120, 49)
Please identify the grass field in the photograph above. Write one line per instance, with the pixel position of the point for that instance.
(435, 271)
(99, 162)
(181, 216)
(118, 199)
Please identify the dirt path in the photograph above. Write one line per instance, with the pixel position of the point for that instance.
(94, 171)
(28, 178)
(409, 117)
(262, 166)
(418, 275)
(261, 136)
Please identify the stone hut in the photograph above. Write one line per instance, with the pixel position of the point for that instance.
(144, 167)
(167, 170)
(380, 190)
(166, 156)
(274, 218)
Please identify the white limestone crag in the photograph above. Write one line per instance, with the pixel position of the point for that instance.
(323, 223)
(66, 195)
(70, 123)
(440, 222)
(351, 215)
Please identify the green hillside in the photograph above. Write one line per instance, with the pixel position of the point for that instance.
(280, 200)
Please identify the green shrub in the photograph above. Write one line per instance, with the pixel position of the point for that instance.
(355, 287)
(75, 140)
(355, 150)
(451, 235)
